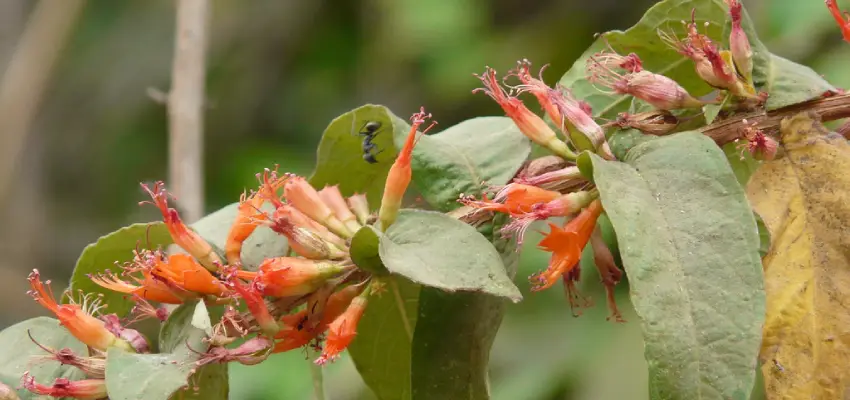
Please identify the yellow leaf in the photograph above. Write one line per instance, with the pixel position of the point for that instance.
(804, 199)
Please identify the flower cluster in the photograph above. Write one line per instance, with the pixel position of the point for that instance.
(314, 297)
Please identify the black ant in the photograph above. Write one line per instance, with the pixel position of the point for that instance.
(369, 131)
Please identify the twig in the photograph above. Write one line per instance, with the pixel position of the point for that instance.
(829, 109)
(185, 107)
(27, 76)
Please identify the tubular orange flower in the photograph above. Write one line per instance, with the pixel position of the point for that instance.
(307, 200)
(256, 306)
(561, 206)
(515, 199)
(333, 198)
(249, 216)
(566, 245)
(528, 123)
(148, 287)
(183, 271)
(538, 88)
(343, 329)
(295, 334)
(291, 276)
(360, 206)
(86, 389)
(75, 318)
(184, 237)
(841, 18)
(400, 173)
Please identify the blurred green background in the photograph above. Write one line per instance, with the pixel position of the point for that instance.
(278, 72)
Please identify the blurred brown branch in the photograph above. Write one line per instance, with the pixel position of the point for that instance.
(828, 109)
(186, 105)
(27, 75)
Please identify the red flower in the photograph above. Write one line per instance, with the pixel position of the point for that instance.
(531, 125)
(256, 305)
(76, 319)
(343, 329)
(184, 237)
(86, 389)
(841, 18)
(297, 334)
(566, 245)
(515, 199)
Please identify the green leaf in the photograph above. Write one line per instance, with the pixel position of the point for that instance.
(263, 242)
(764, 236)
(159, 376)
(467, 158)
(364, 250)
(791, 83)
(382, 349)
(340, 155)
(689, 245)
(436, 250)
(711, 111)
(17, 352)
(102, 255)
(454, 334)
(642, 39)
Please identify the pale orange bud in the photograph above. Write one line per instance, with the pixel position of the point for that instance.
(400, 173)
(333, 199)
(291, 276)
(306, 199)
(360, 206)
(343, 329)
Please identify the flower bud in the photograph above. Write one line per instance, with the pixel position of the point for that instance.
(304, 238)
(93, 367)
(531, 125)
(252, 352)
(758, 144)
(333, 199)
(360, 206)
(86, 389)
(306, 199)
(138, 341)
(542, 165)
(658, 90)
(256, 305)
(182, 235)
(739, 44)
(400, 173)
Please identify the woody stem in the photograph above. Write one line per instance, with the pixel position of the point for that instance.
(828, 109)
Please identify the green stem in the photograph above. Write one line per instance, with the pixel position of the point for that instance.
(401, 310)
(316, 374)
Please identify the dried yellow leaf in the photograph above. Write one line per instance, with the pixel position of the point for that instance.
(803, 199)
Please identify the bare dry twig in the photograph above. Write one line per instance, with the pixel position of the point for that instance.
(828, 108)
(186, 106)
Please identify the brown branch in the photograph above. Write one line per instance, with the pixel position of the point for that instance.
(185, 107)
(828, 108)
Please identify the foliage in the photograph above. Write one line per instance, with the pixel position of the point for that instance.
(417, 296)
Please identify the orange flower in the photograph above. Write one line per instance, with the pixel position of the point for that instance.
(531, 125)
(306, 199)
(180, 233)
(295, 334)
(256, 306)
(400, 173)
(249, 216)
(75, 318)
(291, 276)
(566, 245)
(841, 18)
(343, 329)
(333, 198)
(561, 206)
(165, 280)
(86, 389)
(515, 199)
